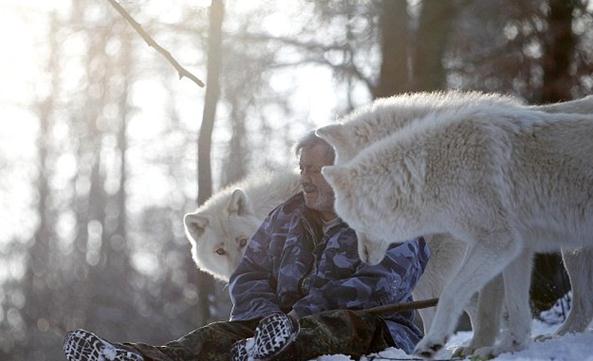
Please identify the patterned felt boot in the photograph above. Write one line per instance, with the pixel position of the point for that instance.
(242, 350)
(81, 345)
(273, 335)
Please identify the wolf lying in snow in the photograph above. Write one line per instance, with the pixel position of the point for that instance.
(508, 181)
(386, 116)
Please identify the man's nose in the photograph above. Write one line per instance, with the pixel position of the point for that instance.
(305, 177)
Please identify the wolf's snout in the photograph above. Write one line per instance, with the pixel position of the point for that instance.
(363, 252)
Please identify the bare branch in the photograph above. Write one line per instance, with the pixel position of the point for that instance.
(318, 51)
(152, 43)
(351, 69)
(400, 307)
(284, 40)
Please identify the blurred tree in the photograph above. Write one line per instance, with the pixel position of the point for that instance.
(111, 252)
(92, 177)
(204, 281)
(410, 58)
(431, 43)
(39, 281)
(394, 74)
(559, 42)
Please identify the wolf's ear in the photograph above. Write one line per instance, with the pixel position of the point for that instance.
(195, 225)
(333, 134)
(239, 203)
(336, 136)
(337, 176)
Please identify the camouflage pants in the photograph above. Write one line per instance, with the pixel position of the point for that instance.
(330, 332)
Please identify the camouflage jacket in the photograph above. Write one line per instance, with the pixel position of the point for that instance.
(290, 264)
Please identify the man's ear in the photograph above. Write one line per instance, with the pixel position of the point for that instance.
(195, 225)
(239, 203)
(335, 135)
(337, 176)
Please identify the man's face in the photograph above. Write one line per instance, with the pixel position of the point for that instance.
(318, 193)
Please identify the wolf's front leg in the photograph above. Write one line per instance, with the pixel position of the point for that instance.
(517, 278)
(485, 319)
(579, 266)
(483, 261)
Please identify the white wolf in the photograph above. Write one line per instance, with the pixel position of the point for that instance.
(505, 180)
(386, 116)
(219, 230)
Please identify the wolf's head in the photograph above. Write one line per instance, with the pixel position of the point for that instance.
(358, 209)
(350, 205)
(219, 234)
(378, 194)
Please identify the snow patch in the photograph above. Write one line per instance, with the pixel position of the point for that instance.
(574, 347)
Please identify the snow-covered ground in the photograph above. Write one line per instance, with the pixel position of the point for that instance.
(576, 347)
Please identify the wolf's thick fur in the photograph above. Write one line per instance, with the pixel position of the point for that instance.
(388, 115)
(385, 116)
(505, 180)
(231, 216)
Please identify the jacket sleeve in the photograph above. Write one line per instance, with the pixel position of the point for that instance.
(252, 286)
(352, 284)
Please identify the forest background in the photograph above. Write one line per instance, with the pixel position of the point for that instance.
(99, 140)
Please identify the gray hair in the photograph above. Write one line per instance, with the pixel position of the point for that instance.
(311, 140)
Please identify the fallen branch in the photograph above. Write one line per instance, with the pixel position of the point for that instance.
(152, 43)
(401, 307)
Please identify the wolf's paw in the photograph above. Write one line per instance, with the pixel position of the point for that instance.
(493, 351)
(463, 351)
(487, 352)
(544, 338)
(428, 348)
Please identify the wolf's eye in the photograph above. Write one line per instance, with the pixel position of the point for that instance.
(242, 242)
(220, 251)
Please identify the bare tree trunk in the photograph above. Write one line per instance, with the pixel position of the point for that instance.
(116, 267)
(122, 142)
(559, 47)
(204, 281)
(91, 201)
(349, 55)
(435, 24)
(393, 23)
(115, 250)
(235, 166)
(37, 285)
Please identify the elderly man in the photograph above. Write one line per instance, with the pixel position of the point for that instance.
(295, 291)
